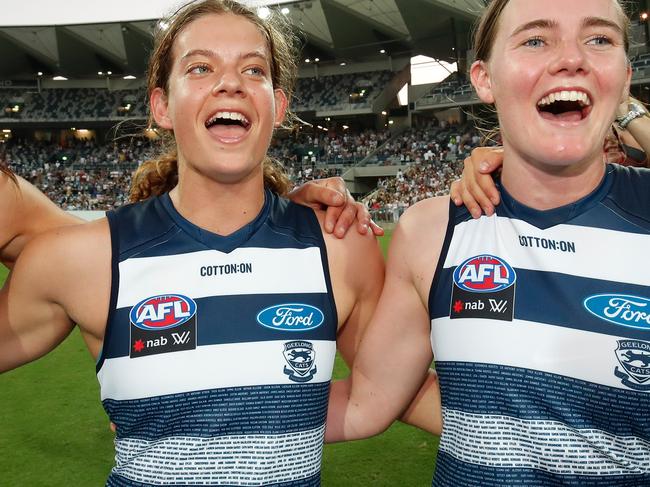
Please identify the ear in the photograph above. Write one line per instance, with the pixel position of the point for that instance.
(481, 80)
(158, 103)
(626, 89)
(281, 104)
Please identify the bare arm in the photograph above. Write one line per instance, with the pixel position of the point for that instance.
(357, 272)
(31, 322)
(62, 277)
(395, 352)
(25, 213)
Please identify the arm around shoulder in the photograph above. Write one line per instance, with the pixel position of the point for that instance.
(395, 352)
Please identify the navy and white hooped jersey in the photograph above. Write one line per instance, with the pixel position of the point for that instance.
(218, 352)
(540, 327)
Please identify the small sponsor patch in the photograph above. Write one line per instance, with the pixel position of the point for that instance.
(162, 324)
(620, 309)
(634, 357)
(291, 317)
(300, 356)
(484, 287)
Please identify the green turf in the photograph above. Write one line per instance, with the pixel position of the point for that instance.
(54, 432)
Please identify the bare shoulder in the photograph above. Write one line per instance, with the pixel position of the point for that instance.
(26, 213)
(355, 249)
(70, 246)
(423, 224)
(71, 266)
(356, 269)
(417, 242)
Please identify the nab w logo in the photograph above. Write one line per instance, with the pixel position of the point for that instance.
(483, 287)
(498, 306)
(181, 338)
(163, 324)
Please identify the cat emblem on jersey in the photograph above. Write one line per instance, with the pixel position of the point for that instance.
(300, 356)
(634, 357)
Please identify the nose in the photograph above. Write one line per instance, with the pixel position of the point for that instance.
(569, 58)
(229, 82)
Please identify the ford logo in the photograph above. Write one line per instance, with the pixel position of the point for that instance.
(291, 317)
(620, 309)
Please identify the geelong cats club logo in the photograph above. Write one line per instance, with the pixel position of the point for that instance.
(161, 324)
(634, 357)
(300, 356)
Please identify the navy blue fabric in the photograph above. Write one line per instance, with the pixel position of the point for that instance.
(536, 395)
(449, 471)
(119, 481)
(559, 304)
(279, 409)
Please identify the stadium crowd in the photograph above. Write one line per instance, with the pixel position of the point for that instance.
(86, 175)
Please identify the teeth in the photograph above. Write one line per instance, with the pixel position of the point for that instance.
(228, 116)
(565, 95)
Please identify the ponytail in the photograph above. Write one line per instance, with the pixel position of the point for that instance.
(154, 177)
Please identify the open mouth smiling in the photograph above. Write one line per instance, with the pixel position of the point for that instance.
(228, 119)
(565, 105)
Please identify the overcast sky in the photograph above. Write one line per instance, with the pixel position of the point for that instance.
(54, 12)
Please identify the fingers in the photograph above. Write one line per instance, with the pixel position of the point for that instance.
(347, 217)
(112, 427)
(455, 191)
(317, 194)
(471, 204)
(376, 229)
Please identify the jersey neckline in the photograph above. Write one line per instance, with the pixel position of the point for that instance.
(223, 243)
(543, 219)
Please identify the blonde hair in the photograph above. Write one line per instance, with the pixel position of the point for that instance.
(160, 175)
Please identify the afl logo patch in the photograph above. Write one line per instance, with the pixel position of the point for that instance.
(291, 317)
(162, 312)
(484, 274)
(620, 309)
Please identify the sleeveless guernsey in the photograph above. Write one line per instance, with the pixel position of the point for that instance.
(218, 350)
(540, 327)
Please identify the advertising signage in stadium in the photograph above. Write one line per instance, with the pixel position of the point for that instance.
(8, 83)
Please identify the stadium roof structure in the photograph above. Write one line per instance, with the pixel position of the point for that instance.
(71, 40)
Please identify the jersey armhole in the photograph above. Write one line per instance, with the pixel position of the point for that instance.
(451, 224)
(115, 281)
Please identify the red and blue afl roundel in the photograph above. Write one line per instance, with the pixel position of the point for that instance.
(484, 274)
(162, 312)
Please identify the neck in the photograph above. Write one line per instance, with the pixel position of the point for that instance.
(544, 187)
(221, 208)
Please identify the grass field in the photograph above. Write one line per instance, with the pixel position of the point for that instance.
(54, 432)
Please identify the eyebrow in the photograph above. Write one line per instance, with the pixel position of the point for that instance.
(212, 54)
(550, 24)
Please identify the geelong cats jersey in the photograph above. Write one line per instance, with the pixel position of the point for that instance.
(219, 350)
(540, 326)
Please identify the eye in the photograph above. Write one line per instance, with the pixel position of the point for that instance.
(534, 42)
(599, 40)
(255, 71)
(198, 69)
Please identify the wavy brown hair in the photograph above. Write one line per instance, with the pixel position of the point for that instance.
(160, 175)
